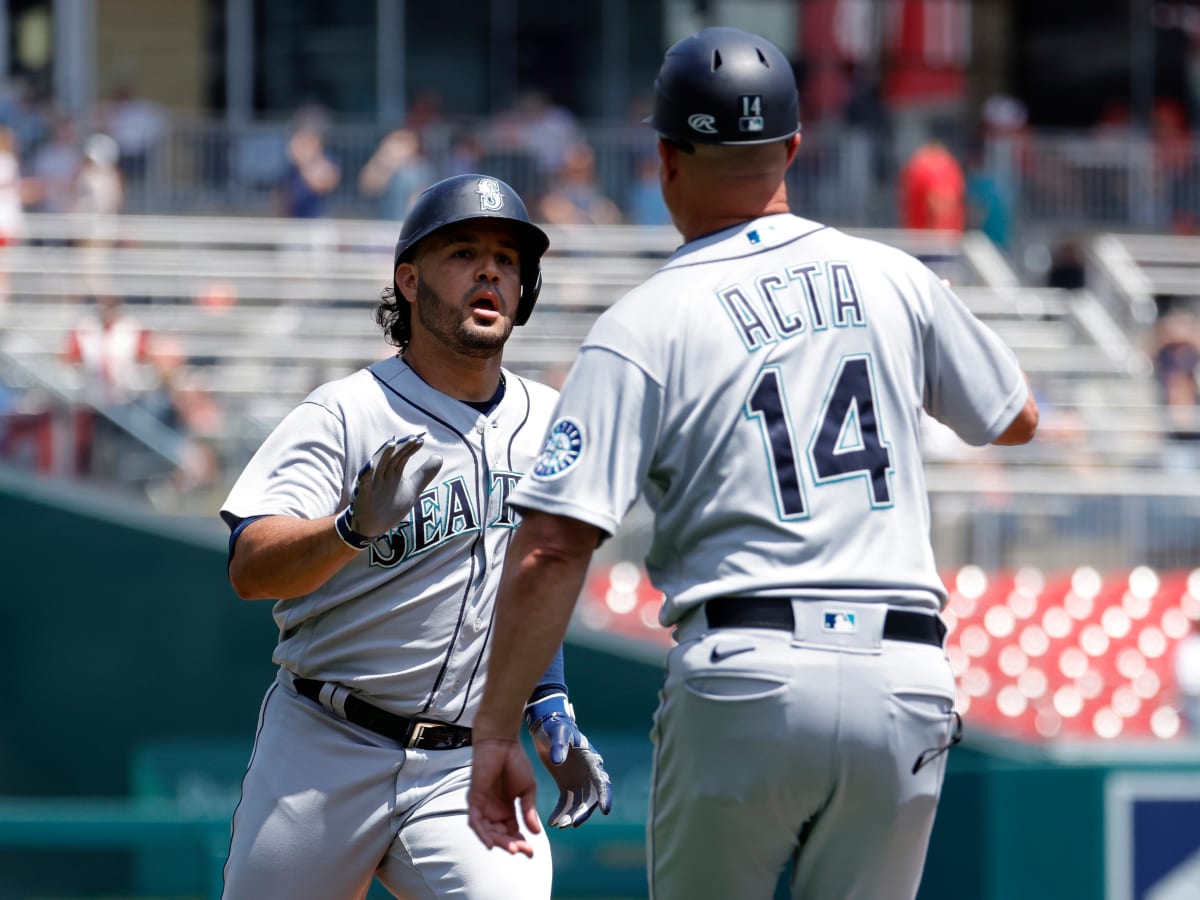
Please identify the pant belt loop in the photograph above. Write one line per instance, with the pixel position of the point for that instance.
(333, 698)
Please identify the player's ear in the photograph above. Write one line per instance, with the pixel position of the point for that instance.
(793, 145)
(668, 159)
(406, 281)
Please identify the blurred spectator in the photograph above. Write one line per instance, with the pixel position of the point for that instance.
(870, 137)
(574, 197)
(137, 125)
(989, 205)
(933, 190)
(99, 187)
(997, 164)
(644, 203)
(21, 113)
(181, 402)
(55, 166)
(1176, 356)
(538, 128)
(1175, 157)
(1067, 269)
(466, 154)
(1186, 665)
(109, 345)
(99, 192)
(424, 110)
(396, 172)
(310, 175)
(110, 348)
(12, 204)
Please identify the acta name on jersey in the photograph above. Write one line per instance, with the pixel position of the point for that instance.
(443, 512)
(801, 299)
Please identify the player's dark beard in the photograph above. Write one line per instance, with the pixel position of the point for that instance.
(445, 322)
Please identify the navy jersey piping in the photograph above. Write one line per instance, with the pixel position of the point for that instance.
(462, 606)
(706, 262)
(487, 638)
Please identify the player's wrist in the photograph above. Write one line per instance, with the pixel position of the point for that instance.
(351, 538)
(556, 704)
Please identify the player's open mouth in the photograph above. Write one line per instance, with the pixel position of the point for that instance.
(486, 306)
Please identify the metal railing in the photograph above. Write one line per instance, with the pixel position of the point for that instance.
(844, 176)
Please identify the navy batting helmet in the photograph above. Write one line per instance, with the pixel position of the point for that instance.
(464, 197)
(725, 86)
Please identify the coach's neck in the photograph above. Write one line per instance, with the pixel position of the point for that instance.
(716, 187)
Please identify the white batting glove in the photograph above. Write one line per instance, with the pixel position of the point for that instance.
(571, 760)
(383, 495)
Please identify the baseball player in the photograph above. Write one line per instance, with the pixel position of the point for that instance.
(377, 515)
(764, 391)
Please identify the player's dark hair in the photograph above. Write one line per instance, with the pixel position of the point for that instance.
(394, 315)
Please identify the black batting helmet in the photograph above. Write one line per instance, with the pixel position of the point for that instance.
(725, 86)
(464, 197)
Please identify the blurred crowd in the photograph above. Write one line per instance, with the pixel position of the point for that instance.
(570, 175)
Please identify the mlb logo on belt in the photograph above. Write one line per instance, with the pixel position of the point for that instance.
(840, 622)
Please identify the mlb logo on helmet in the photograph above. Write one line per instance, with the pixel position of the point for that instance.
(840, 621)
(750, 117)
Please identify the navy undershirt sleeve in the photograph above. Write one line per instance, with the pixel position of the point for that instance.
(554, 681)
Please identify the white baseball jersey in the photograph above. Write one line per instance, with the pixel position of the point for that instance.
(764, 388)
(407, 621)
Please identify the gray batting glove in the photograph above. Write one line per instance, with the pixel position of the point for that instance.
(383, 494)
(571, 760)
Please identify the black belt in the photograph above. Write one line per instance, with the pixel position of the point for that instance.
(766, 612)
(424, 735)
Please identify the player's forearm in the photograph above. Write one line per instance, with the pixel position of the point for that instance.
(543, 575)
(280, 557)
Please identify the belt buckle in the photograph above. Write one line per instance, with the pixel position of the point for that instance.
(417, 731)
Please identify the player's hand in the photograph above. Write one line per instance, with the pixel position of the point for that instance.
(571, 760)
(383, 493)
(500, 777)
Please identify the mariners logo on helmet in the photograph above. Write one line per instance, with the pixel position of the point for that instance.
(490, 198)
(563, 446)
(703, 122)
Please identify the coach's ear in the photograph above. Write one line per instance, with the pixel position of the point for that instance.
(406, 281)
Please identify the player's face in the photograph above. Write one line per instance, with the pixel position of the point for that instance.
(467, 285)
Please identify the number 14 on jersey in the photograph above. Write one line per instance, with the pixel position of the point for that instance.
(847, 441)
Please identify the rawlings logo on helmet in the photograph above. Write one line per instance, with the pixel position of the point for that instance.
(490, 197)
(702, 122)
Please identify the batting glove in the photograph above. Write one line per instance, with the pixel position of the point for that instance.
(383, 495)
(570, 759)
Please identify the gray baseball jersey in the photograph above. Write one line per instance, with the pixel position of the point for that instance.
(764, 388)
(407, 621)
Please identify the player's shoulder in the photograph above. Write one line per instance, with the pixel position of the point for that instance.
(341, 392)
(539, 393)
(868, 250)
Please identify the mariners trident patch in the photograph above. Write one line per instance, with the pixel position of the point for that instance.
(490, 196)
(563, 446)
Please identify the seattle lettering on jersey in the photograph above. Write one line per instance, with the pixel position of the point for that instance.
(443, 512)
(801, 299)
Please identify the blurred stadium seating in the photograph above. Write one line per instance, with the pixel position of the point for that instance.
(1070, 562)
(1038, 656)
